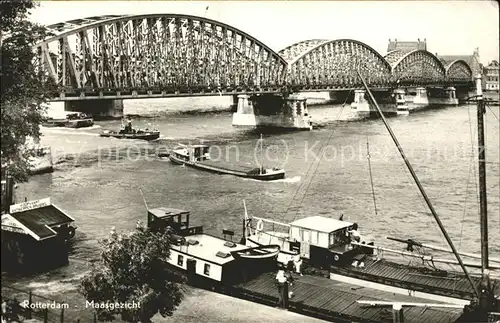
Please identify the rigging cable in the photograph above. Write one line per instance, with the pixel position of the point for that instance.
(371, 177)
(310, 167)
(319, 161)
(491, 110)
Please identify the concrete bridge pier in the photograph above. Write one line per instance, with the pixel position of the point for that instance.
(421, 96)
(99, 109)
(272, 111)
(390, 102)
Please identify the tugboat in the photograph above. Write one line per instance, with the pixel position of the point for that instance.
(72, 120)
(198, 156)
(207, 260)
(128, 132)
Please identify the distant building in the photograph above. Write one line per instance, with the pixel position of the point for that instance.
(406, 46)
(490, 76)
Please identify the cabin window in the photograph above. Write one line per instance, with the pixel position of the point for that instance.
(206, 270)
(314, 237)
(331, 241)
(180, 260)
(301, 234)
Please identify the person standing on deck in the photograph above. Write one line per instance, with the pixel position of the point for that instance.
(281, 280)
(355, 236)
(298, 264)
(129, 125)
(289, 283)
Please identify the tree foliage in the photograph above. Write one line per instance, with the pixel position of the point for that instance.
(11, 310)
(23, 87)
(132, 269)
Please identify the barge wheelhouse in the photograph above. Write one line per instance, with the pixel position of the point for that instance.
(322, 241)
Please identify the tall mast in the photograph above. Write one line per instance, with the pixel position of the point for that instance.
(420, 187)
(261, 158)
(482, 175)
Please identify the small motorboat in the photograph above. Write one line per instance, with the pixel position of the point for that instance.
(261, 252)
(72, 120)
(135, 134)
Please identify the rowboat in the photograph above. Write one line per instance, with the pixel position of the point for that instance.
(263, 252)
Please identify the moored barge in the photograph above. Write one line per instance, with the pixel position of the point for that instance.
(336, 246)
(72, 120)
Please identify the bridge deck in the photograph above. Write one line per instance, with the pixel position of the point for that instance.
(330, 300)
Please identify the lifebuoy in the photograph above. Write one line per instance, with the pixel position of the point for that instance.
(71, 232)
(260, 225)
(336, 258)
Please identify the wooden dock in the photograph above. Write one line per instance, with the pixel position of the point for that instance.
(333, 301)
(412, 278)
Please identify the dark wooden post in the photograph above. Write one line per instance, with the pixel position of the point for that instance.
(62, 315)
(29, 305)
(285, 295)
(95, 318)
(46, 316)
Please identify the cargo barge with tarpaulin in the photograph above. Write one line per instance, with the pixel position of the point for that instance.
(72, 120)
(198, 156)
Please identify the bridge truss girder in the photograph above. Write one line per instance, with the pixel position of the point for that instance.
(330, 64)
(419, 66)
(458, 71)
(164, 51)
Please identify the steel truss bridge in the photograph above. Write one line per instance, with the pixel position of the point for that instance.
(163, 55)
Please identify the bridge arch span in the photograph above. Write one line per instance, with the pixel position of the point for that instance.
(321, 63)
(458, 71)
(173, 52)
(418, 67)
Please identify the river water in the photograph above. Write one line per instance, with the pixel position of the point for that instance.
(97, 180)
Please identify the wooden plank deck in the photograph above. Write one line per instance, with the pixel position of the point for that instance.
(335, 301)
(384, 272)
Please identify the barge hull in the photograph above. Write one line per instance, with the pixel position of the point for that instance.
(412, 279)
(228, 169)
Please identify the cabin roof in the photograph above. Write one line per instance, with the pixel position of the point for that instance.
(321, 224)
(37, 222)
(207, 248)
(163, 212)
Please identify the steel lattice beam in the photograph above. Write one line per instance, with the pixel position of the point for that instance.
(419, 67)
(458, 71)
(175, 55)
(159, 52)
(326, 64)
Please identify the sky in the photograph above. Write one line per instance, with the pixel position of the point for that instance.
(449, 27)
